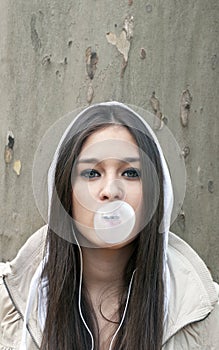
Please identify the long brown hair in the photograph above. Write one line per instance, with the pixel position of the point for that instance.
(143, 325)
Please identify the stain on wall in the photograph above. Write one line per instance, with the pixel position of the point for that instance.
(123, 41)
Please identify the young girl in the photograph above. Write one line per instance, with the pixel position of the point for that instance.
(105, 272)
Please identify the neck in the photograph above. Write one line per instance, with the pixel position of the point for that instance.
(103, 271)
(104, 266)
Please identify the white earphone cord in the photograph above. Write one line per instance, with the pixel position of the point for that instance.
(79, 300)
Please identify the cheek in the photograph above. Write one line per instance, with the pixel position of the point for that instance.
(135, 199)
(83, 195)
(134, 196)
(77, 200)
(83, 202)
(81, 214)
(75, 205)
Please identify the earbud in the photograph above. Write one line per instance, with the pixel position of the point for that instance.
(114, 221)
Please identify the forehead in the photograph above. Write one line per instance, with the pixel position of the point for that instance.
(111, 141)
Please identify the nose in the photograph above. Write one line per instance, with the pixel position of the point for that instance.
(112, 190)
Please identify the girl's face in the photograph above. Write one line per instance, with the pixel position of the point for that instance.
(107, 169)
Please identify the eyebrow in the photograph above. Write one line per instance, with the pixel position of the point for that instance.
(95, 160)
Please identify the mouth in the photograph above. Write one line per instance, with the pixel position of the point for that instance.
(110, 217)
(111, 220)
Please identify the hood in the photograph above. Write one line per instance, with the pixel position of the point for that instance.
(167, 183)
(168, 190)
(163, 134)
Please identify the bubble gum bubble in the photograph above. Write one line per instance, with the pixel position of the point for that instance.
(114, 222)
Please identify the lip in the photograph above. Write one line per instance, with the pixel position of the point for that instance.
(110, 217)
(111, 220)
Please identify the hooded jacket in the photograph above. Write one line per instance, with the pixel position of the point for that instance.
(193, 312)
(191, 309)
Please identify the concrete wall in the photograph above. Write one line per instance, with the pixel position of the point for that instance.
(47, 69)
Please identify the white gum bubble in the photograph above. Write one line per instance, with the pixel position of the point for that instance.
(114, 222)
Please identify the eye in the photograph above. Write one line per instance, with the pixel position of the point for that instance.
(90, 173)
(132, 173)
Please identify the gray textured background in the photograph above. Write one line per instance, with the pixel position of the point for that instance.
(43, 75)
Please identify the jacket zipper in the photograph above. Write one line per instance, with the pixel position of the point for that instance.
(20, 313)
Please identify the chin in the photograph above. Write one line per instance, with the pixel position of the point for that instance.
(88, 238)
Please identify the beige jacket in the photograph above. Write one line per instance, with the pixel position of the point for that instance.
(193, 317)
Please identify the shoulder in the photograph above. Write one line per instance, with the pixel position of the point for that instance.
(193, 315)
(30, 253)
(210, 324)
(15, 277)
(190, 271)
(19, 272)
(199, 335)
(10, 320)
